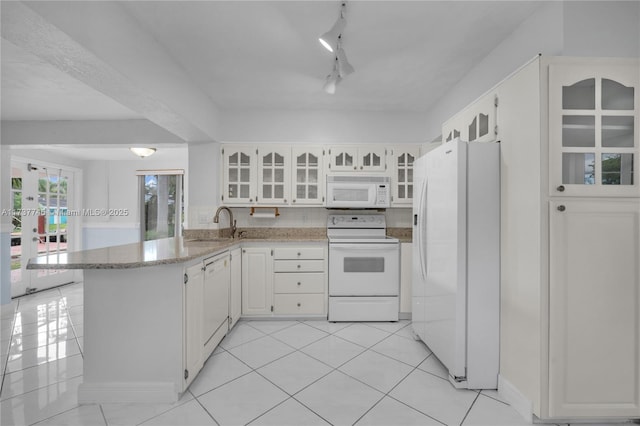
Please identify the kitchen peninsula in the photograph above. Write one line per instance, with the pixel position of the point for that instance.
(155, 311)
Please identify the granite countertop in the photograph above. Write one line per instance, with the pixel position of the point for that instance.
(150, 253)
(195, 244)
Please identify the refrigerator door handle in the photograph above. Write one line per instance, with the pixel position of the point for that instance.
(422, 228)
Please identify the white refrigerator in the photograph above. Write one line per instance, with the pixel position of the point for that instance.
(456, 259)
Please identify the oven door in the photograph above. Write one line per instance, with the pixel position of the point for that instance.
(364, 269)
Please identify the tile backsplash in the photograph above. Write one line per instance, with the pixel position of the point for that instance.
(201, 217)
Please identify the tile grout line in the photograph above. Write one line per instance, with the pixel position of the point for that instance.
(469, 410)
(6, 361)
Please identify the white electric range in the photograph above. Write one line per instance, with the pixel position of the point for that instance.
(364, 269)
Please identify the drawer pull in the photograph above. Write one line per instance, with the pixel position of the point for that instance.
(298, 266)
(299, 304)
(299, 253)
(299, 283)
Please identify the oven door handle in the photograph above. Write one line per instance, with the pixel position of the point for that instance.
(364, 246)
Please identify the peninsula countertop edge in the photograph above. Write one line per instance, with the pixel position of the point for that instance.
(164, 251)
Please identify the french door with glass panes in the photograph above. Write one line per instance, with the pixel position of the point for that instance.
(42, 224)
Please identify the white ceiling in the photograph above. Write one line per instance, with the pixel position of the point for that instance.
(265, 54)
(33, 89)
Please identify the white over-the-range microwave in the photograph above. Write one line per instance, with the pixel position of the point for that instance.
(358, 192)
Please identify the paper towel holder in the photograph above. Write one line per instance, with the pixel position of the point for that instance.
(266, 212)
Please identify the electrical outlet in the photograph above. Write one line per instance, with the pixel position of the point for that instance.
(204, 218)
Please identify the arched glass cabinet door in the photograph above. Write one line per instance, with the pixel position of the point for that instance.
(593, 130)
(273, 174)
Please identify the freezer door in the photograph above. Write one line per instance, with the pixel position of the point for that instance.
(445, 239)
(419, 277)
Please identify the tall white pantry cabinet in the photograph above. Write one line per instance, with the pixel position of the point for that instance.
(569, 130)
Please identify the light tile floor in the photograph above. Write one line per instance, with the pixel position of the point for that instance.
(263, 373)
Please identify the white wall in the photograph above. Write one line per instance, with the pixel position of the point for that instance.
(571, 28)
(540, 33)
(297, 126)
(114, 185)
(602, 28)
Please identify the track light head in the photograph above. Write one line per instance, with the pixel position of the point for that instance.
(332, 81)
(344, 67)
(330, 39)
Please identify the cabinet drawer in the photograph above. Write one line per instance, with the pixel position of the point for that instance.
(298, 266)
(298, 304)
(299, 283)
(298, 253)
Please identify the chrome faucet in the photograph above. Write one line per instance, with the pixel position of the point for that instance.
(232, 222)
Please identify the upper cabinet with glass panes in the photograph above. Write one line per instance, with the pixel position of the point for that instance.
(593, 133)
(307, 176)
(357, 158)
(238, 174)
(401, 159)
(273, 174)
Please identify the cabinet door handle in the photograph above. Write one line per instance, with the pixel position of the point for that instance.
(299, 283)
(299, 304)
(560, 188)
(561, 208)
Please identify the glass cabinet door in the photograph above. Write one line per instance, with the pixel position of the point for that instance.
(308, 179)
(273, 175)
(403, 158)
(238, 175)
(593, 136)
(372, 159)
(343, 158)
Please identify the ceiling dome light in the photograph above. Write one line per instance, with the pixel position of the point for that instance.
(142, 152)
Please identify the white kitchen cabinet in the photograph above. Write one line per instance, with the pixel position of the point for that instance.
(238, 174)
(257, 281)
(593, 135)
(481, 120)
(300, 280)
(477, 122)
(215, 300)
(307, 172)
(594, 340)
(192, 322)
(235, 287)
(569, 279)
(274, 174)
(357, 158)
(401, 158)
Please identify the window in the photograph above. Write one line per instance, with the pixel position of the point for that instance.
(161, 203)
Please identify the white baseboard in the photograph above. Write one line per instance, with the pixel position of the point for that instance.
(515, 398)
(93, 393)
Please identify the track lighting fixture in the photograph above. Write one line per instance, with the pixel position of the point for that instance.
(344, 67)
(332, 80)
(332, 41)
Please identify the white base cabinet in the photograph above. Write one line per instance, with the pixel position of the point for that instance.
(594, 304)
(284, 280)
(257, 281)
